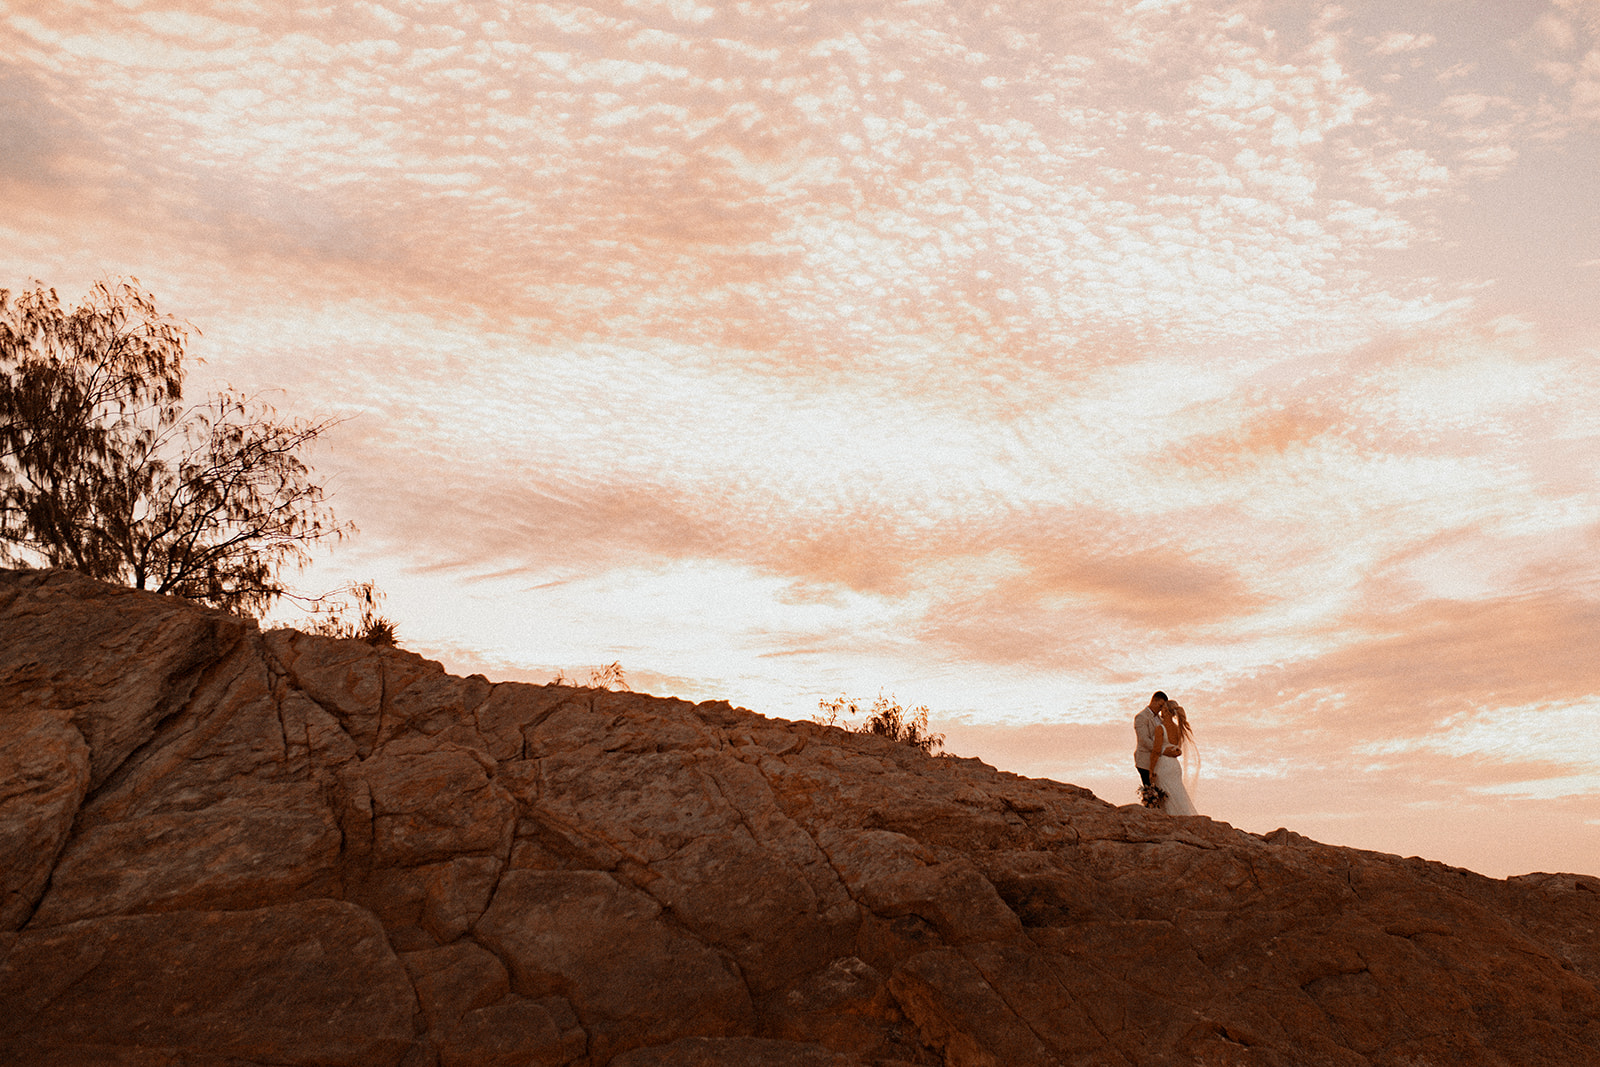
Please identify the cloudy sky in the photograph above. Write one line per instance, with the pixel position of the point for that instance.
(1013, 358)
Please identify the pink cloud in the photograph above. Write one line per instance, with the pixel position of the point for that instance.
(1079, 344)
(1413, 668)
(1264, 434)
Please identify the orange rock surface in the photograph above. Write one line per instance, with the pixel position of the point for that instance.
(226, 847)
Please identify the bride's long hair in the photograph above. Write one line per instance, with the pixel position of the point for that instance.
(1191, 768)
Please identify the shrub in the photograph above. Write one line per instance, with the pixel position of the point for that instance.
(330, 616)
(885, 717)
(611, 676)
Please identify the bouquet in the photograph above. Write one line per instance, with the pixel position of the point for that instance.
(1152, 796)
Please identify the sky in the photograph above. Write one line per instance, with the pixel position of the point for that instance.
(1014, 359)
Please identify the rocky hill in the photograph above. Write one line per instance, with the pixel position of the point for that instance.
(226, 847)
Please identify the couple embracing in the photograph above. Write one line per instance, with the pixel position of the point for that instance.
(1162, 730)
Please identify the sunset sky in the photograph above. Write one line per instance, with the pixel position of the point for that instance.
(1016, 359)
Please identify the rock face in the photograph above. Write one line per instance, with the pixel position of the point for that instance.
(223, 847)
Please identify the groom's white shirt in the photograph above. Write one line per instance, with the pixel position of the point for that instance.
(1146, 725)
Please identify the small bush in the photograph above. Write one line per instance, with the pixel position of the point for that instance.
(611, 676)
(331, 615)
(885, 717)
(378, 632)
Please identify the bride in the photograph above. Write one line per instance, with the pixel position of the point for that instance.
(1165, 771)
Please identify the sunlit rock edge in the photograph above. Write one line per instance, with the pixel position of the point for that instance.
(226, 847)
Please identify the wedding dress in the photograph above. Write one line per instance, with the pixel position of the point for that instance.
(1169, 776)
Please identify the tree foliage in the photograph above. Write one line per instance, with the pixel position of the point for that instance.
(884, 717)
(104, 469)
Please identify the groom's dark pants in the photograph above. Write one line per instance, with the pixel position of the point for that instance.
(1144, 775)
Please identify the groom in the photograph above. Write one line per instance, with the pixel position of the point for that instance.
(1146, 728)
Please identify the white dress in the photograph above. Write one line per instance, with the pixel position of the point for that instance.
(1169, 776)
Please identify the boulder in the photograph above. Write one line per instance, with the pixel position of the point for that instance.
(44, 774)
(307, 983)
(224, 848)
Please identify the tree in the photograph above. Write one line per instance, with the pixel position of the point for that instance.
(104, 470)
